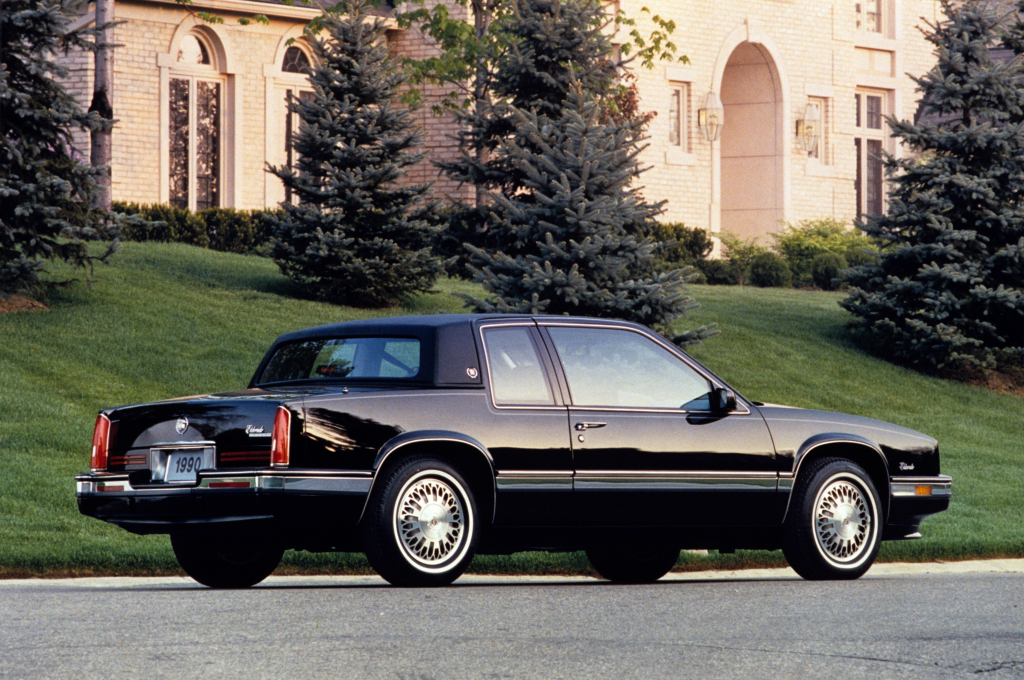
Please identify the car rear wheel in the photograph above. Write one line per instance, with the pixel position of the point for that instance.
(833, 527)
(420, 528)
(226, 562)
(624, 564)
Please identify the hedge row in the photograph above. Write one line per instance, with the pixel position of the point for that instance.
(224, 229)
(813, 252)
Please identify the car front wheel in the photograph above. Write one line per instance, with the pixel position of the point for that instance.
(226, 562)
(420, 528)
(632, 565)
(833, 527)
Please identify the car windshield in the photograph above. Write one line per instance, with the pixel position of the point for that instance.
(320, 358)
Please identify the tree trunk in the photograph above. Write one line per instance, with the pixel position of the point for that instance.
(483, 12)
(101, 140)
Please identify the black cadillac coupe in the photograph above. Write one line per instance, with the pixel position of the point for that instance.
(422, 441)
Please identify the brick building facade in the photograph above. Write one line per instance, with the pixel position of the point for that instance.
(201, 108)
(775, 64)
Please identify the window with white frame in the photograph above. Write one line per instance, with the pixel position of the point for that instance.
(679, 117)
(873, 16)
(870, 141)
(195, 125)
(821, 151)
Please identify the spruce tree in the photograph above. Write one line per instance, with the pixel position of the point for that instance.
(568, 251)
(545, 45)
(947, 291)
(356, 236)
(538, 45)
(45, 191)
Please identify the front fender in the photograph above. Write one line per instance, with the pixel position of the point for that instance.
(873, 461)
(834, 438)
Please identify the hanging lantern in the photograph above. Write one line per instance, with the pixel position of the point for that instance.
(711, 118)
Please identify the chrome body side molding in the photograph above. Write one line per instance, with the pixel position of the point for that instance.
(535, 480)
(626, 480)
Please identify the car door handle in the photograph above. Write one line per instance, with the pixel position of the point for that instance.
(589, 426)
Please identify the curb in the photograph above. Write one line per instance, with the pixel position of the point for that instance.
(885, 570)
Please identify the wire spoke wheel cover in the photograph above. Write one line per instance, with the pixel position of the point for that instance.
(844, 517)
(431, 521)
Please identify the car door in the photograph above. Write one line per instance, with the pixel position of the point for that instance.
(526, 427)
(647, 446)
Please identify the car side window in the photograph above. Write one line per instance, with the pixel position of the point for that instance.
(620, 368)
(517, 377)
(366, 357)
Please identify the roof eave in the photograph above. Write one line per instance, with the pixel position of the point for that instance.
(245, 8)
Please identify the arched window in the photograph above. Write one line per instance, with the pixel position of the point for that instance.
(193, 51)
(195, 125)
(295, 61)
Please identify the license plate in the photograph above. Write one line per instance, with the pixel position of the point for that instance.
(182, 467)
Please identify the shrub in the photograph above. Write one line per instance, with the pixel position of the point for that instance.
(800, 243)
(858, 257)
(768, 270)
(150, 231)
(741, 253)
(719, 272)
(229, 230)
(825, 270)
(679, 245)
(186, 226)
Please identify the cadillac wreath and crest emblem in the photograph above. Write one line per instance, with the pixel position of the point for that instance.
(181, 426)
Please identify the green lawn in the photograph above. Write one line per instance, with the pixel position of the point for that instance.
(168, 320)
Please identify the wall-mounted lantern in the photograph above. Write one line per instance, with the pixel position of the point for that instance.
(808, 128)
(711, 118)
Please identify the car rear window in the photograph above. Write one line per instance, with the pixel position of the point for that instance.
(353, 358)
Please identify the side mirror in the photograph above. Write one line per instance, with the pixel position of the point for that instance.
(723, 399)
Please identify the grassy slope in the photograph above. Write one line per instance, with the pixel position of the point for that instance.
(169, 320)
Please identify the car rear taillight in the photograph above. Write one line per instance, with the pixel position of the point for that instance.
(280, 445)
(100, 443)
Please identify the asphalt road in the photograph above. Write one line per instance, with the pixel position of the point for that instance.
(763, 624)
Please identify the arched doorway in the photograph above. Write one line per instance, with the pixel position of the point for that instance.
(753, 144)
